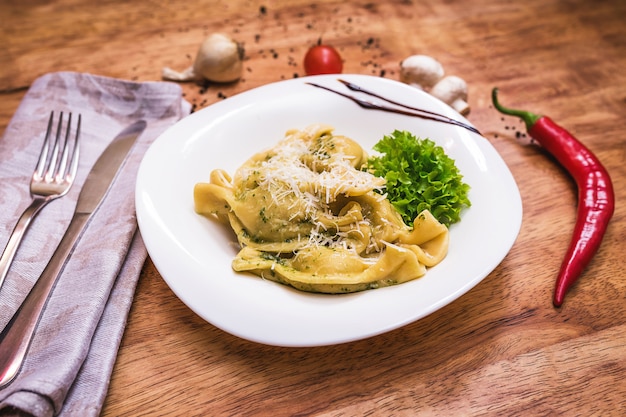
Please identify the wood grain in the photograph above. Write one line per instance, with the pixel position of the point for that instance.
(501, 349)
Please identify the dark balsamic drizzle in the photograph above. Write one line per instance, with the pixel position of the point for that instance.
(411, 111)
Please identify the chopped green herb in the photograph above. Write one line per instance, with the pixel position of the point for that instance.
(419, 176)
(271, 257)
(264, 219)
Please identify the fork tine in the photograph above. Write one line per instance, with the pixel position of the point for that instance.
(63, 149)
(45, 148)
(53, 160)
(66, 170)
(75, 153)
(60, 171)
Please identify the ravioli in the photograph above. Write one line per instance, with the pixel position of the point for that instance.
(307, 214)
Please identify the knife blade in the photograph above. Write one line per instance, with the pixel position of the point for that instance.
(16, 337)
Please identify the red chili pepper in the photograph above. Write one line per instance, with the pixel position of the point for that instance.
(596, 200)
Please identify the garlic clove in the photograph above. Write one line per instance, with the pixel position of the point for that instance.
(173, 75)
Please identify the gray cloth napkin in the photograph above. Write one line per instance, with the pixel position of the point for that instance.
(68, 367)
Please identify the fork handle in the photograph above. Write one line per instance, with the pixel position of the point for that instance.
(18, 233)
(16, 337)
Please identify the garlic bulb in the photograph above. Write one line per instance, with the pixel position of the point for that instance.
(219, 59)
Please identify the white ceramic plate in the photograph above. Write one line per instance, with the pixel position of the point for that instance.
(194, 254)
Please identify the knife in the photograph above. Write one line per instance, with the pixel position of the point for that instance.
(16, 337)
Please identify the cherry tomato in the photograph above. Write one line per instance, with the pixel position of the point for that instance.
(322, 59)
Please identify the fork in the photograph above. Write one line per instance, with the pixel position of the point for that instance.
(53, 177)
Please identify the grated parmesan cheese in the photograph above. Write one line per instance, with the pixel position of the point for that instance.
(308, 174)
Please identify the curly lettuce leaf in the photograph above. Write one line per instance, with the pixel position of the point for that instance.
(419, 176)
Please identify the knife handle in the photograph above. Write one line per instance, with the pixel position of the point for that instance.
(16, 337)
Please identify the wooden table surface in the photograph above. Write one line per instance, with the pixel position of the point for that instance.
(502, 348)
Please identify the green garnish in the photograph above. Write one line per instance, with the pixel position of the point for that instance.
(419, 176)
